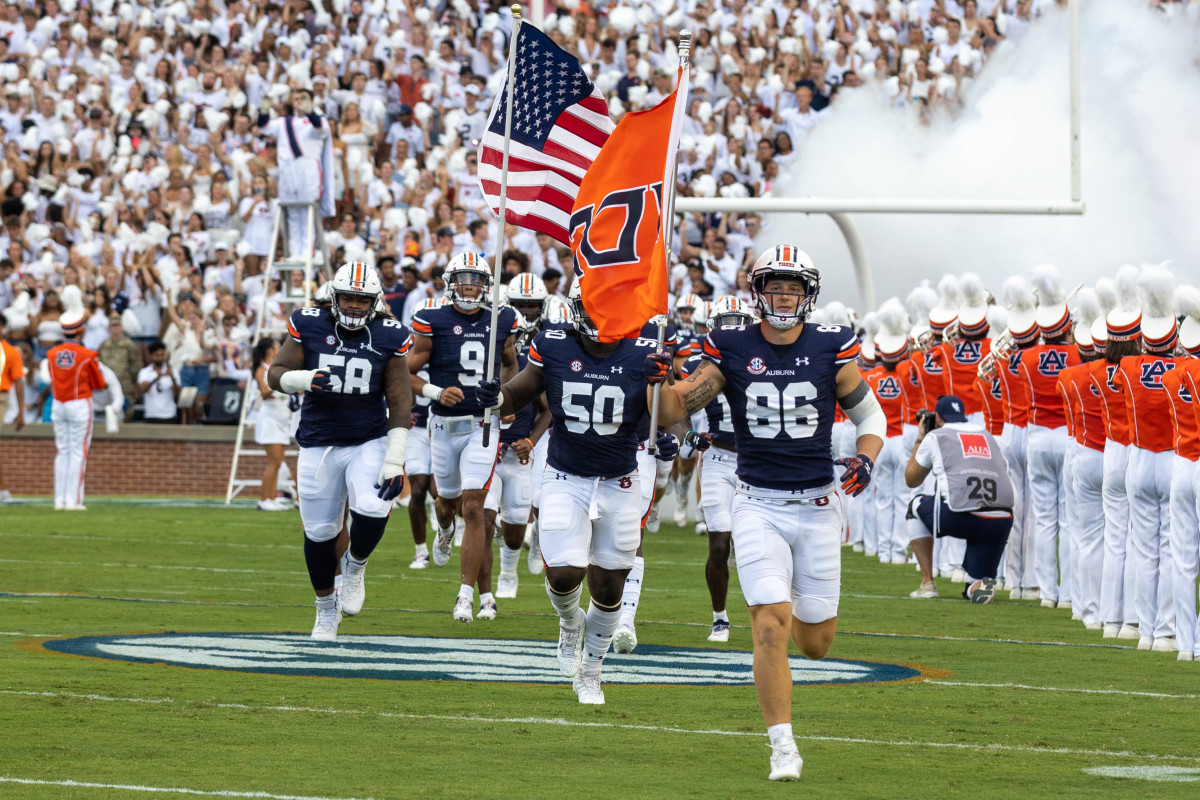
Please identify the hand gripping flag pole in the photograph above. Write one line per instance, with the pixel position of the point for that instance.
(498, 259)
(685, 45)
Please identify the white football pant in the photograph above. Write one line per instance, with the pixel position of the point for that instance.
(1116, 588)
(72, 438)
(329, 477)
(1148, 483)
(1088, 534)
(590, 520)
(460, 461)
(718, 481)
(1185, 550)
(1047, 448)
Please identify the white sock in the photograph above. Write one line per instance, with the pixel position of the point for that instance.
(720, 616)
(633, 591)
(421, 550)
(467, 591)
(327, 602)
(567, 605)
(509, 559)
(601, 625)
(781, 736)
(486, 597)
(447, 530)
(350, 558)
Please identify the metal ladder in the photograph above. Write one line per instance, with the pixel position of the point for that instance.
(301, 296)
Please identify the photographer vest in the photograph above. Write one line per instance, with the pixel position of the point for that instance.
(976, 474)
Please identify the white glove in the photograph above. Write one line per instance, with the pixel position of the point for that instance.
(431, 392)
(304, 380)
(110, 419)
(393, 465)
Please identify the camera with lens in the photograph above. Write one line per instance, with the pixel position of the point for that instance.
(926, 420)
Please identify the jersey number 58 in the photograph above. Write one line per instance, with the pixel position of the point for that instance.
(351, 376)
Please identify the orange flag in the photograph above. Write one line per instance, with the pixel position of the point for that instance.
(620, 224)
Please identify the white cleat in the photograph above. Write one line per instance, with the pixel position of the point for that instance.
(1165, 644)
(487, 610)
(701, 528)
(899, 559)
(1015, 593)
(587, 689)
(76, 507)
(857, 547)
(982, 591)
(1145, 643)
(354, 590)
(927, 590)
(420, 561)
(1048, 603)
(270, 505)
(59, 505)
(652, 521)
(786, 764)
(1128, 631)
(1064, 604)
(534, 561)
(625, 639)
(6, 497)
(443, 545)
(328, 619)
(570, 646)
(720, 631)
(507, 589)
(1094, 626)
(462, 610)
(1184, 656)
(1031, 594)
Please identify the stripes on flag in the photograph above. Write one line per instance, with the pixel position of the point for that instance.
(560, 121)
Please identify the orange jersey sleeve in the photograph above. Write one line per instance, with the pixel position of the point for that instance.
(1112, 401)
(1147, 401)
(993, 404)
(1064, 392)
(910, 388)
(1016, 391)
(961, 360)
(886, 385)
(1039, 368)
(12, 369)
(1183, 415)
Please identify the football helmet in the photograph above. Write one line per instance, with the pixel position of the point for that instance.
(468, 269)
(686, 303)
(700, 316)
(355, 279)
(579, 316)
(785, 262)
(557, 311)
(527, 295)
(729, 310)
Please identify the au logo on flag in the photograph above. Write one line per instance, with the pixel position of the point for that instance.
(618, 230)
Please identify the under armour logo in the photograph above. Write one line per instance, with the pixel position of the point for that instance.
(560, 476)
(802, 361)
(618, 369)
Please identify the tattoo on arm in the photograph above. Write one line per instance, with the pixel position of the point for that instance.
(700, 388)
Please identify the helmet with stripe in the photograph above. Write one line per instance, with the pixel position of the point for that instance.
(729, 310)
(431, 303)
(685, 311)
(468, 269)
(700, 316)
(557, 311)
(355, 279)
(527, 295)
(579, 316)
(784, 262)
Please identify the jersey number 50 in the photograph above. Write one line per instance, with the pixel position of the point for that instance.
(346, 376)
(770, 410)
(579, 418)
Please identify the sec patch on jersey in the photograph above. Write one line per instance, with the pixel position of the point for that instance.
(435, 658)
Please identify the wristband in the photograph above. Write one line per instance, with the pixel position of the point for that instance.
(431, 392)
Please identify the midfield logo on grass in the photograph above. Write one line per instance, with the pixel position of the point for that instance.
(434, 658)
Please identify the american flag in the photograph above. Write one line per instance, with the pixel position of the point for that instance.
(560, 121)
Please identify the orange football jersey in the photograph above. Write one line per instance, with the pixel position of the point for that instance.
(886, 385)
(1180, 385)
(74, 372)
(960, 361)
(1139, 378)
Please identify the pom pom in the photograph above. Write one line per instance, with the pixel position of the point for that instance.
(1018, 294)
(1048, 284)
(623, 19)
(1156, 286)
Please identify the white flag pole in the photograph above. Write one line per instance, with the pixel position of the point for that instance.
(498, 258)
(668, 228)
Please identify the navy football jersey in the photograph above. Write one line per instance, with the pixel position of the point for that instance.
(522, 424)
(354, 409)
(782, 398)
(670, 344)
(596, 403)
(459, 355)
(720, 418)
(688, 343)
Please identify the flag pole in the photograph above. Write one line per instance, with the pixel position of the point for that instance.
(685, 47)
(498, 259)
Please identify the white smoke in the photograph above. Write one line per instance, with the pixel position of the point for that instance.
(1141, 175)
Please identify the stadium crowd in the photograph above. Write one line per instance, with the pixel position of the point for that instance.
(138, 188)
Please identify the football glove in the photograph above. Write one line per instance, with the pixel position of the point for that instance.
(667, 446)
(657, 367)
(487, 393)
(857, 476)
(698, 441)
(391, 475)
(305, 380)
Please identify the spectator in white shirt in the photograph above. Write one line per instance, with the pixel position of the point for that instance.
(158, 386)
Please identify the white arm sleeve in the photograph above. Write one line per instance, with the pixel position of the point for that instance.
(868, 417)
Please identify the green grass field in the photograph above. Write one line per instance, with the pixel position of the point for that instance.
(1018, 701)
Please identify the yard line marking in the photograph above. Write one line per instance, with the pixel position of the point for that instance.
(982, 639)
(169, 790)
(32, 635)
(560, 722)
(1069, 689)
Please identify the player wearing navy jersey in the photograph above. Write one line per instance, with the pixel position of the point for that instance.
(451, 342)
(418, 468)
(591, 499)
(353, 431)
(690, 344)
(718, 480)
(782, 379)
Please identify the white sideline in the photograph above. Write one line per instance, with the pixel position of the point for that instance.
(1026, 687)
(1004, 748)
(170, 790)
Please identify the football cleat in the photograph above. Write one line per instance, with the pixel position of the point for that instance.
(354, 590)
(652, 521)
(76, 507)
(587, 689)
(786, 764)
(508, 586)
(328, 619)
(420, 561)
(982, 591)
(701, 528)
(462, 610)
(270, 505)
(442, 547)
(720, 631)
(927, 590)
(625, 639)
(487, 609)
(570, 645)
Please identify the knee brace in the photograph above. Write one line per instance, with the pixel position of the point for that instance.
(365, 533)
(321, 559)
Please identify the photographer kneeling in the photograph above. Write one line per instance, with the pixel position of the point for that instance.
(974, 497)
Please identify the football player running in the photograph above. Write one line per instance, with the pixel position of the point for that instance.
(781, 379)
(717, 479)
(418, 469)
(591, 502)
(451, 342)
(353, 431)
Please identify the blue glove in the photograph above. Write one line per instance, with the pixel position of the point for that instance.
(657, 367)
(487, 393)
(857, 476)
(390, 488)
(321, 382)
(667, 446)
(698, 441)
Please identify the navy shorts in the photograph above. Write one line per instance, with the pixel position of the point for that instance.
(985, 536)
